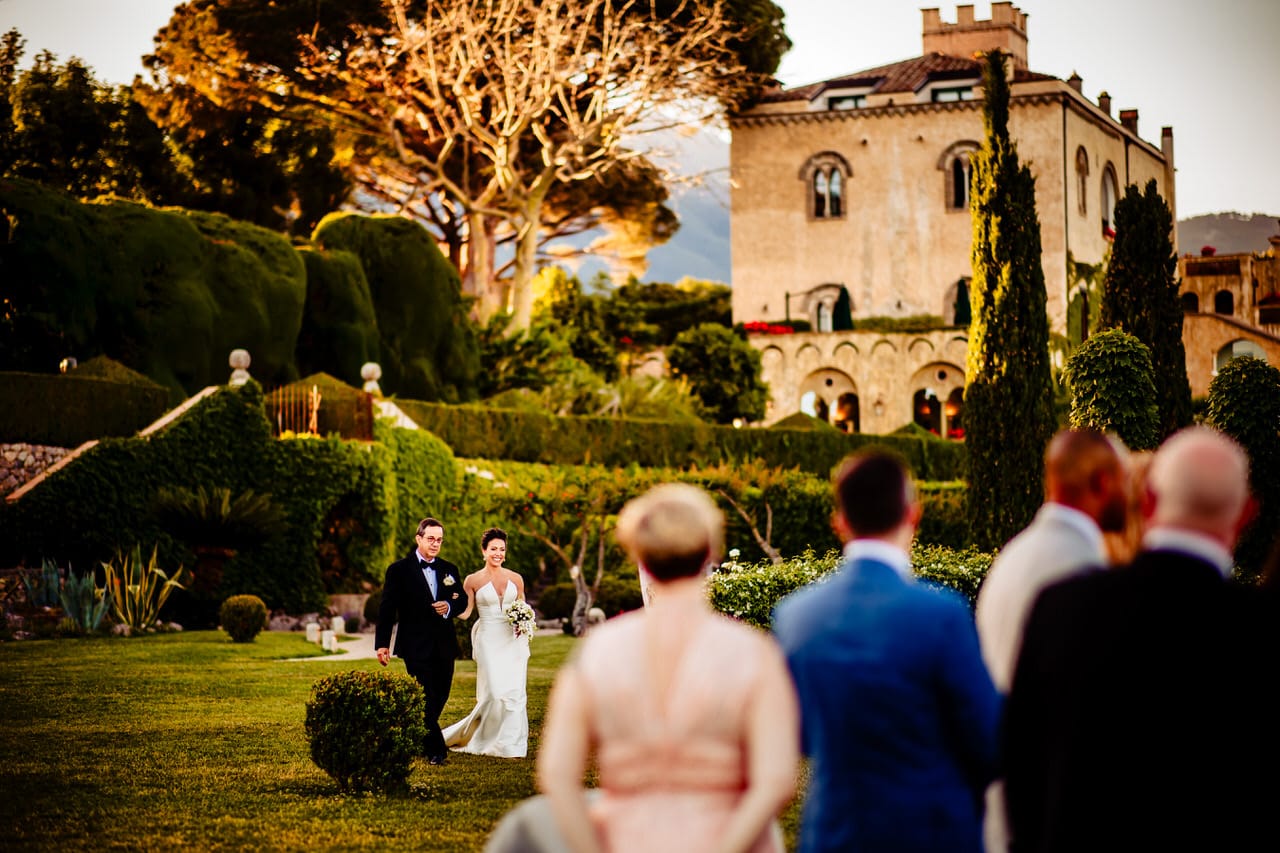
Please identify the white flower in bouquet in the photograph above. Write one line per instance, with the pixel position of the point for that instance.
(520, 615)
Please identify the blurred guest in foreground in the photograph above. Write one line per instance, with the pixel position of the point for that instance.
(691, 716)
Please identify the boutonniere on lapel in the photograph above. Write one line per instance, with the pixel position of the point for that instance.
(448, 580)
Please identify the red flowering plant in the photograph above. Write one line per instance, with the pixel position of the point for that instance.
(760, 327)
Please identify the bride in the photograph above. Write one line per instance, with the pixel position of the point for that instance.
(499, 724)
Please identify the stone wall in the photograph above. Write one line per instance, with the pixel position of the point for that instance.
(22, 462)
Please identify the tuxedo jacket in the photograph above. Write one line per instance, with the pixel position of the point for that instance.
(898, 714)
(1128, 723)
(407, 600)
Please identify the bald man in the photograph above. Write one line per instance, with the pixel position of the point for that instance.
(1085, 494)
(1124, 726)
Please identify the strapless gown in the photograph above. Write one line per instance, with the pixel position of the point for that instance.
(499, 723)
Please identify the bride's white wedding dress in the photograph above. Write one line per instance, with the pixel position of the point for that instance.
(499, 724)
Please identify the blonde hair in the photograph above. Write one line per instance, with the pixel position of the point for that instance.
(673, 530)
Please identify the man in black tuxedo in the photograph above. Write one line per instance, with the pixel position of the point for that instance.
(423, 593)
(1127, 725)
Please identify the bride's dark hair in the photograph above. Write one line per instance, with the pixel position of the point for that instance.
(491, 534)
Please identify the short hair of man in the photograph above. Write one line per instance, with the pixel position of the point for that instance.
(672, 531)
(1200, 480)
(490, 535)
(873, 492)
(428, 522)
(1074, 458)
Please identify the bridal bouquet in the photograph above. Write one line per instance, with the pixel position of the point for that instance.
(520, 615)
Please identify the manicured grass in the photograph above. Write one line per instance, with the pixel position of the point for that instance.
(190, 740)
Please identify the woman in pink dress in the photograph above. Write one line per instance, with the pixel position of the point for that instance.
(691, 716)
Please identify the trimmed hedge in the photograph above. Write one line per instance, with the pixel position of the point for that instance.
(481, 432)
(346, 504)
(66, 410)
(170, 292)
(427, 345)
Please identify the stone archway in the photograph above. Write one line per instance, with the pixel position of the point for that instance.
(937, 396)
(828, 394)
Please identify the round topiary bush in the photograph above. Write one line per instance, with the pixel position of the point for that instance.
(1244, 403)
(1113, 390)
(365, 728)
(242, 617)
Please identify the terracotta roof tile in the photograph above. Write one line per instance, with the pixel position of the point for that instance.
(906, 76)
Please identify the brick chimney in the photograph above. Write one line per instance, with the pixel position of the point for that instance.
(1075, 81)
(1007, 31)
(1104, 102)
(1129, 121)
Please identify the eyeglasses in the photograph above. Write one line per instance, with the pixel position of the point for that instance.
(434, 540)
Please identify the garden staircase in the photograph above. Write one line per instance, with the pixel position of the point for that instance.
(166, 419)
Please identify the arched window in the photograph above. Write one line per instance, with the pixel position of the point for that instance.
(1082, 180)
(1190, 303)
(956, 166)
(826, 175)
(1110, 192)
(1235, 349)
(1224, 302)
(960, 181)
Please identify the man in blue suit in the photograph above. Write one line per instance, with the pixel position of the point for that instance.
(898, 714)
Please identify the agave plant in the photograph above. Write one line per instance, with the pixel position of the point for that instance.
(84, 602)
(138, 589)
(42, 589)
(216, 518)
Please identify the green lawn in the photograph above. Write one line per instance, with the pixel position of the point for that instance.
(190, 740)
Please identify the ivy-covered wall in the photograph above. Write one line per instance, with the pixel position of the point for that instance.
(347, 505)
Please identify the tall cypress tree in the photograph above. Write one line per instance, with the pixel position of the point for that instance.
(1009, 395)
(1140, 296)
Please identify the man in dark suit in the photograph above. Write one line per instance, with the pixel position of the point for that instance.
(898, 713)
(423, 593)
(1127, 726)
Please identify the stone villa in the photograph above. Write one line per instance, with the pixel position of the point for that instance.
(860, 184)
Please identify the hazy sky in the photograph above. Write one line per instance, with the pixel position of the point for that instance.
(1211, 70)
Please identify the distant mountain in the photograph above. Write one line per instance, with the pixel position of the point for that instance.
(1228, 233)
(700, 248)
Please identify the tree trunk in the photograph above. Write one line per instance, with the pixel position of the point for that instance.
(526, 261)
(478, 281)
(582, 605)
